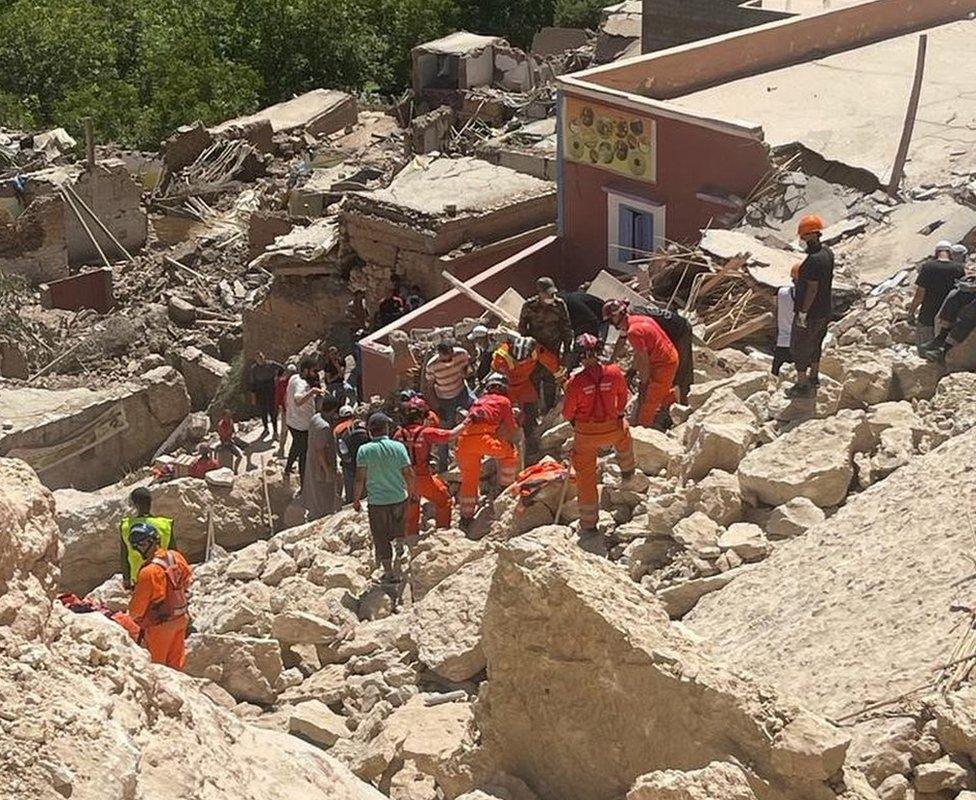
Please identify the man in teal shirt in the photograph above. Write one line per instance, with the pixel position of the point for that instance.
(383, 468)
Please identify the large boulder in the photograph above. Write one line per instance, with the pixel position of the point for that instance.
(654, 450)
(89, 523)
(813, 460)
(718, 496)
(446, 625)
(570, 649)
(863, 598)
(741, 384)
(439, 556)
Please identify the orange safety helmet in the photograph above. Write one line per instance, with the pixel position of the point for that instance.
(810, 224)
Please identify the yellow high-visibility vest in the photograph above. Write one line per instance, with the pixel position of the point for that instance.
(163, 526)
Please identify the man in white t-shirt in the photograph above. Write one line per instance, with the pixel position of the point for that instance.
(299, 410)
(446, 388)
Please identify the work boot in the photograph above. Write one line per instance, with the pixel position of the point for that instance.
(798, 390)
(934, 354)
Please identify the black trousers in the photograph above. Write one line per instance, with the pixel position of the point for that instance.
(299, 447)
(781, 355)
(386, 523)
(266, 404)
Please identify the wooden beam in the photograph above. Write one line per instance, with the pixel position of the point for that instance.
(467, 291)
(906, 134)
(746, 329)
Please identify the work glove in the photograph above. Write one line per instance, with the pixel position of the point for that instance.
(801, 319)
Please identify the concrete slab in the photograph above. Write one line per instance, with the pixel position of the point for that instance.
(767, 265)
(320, 111)
(850, 107)
(460, 43)
(910, 237)
(449, 187)
(511, 301)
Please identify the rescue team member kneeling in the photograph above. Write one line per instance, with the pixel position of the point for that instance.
(596, 397)
(159, 604)
(488, 432)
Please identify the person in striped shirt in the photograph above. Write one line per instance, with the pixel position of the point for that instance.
(445, 388)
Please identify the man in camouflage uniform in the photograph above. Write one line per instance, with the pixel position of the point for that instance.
(545, 318)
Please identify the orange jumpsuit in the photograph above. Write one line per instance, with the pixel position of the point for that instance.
(594, 403)
(648, 338)
(165, 638)
(479, 439)
(521, 389)
(418, 439)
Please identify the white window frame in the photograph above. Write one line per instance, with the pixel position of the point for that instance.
(616, 258)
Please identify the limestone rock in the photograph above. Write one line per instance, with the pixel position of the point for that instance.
(915, 378)
(810, 748)
(147, 731)
(746, 540)
(813, 460)
(247, 564)
(446, 624)
(949, 773)
(246, 667)
(438, 556)
(335, 571)
(433, 737)
(679, 599)
(654, 450)
(298, 627)
(278, 567)
(824, 404)
(718, 781)
(717, 496)
(317, 723)
(894, 787)
(793, 518)
(859, 600)
(718, 435)
(29, 550)
(696, 532)
(411, 784)
(570, 646)
(742, 385)
(868, 380)
(955, 721)
(882, 748)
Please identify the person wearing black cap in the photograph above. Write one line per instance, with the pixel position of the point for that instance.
(384, 471)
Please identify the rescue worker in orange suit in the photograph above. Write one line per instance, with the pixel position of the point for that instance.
(159, 600)
(489, 431)
(418, 435)
(655, 360)
(517, 360)
(594, 404)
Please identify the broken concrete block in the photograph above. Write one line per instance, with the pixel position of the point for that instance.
(181, 311)
(869, 380)
(317, 723)
(185, 145)
(824, 404)
(813, 460)
(203, 375)
(741, 384)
